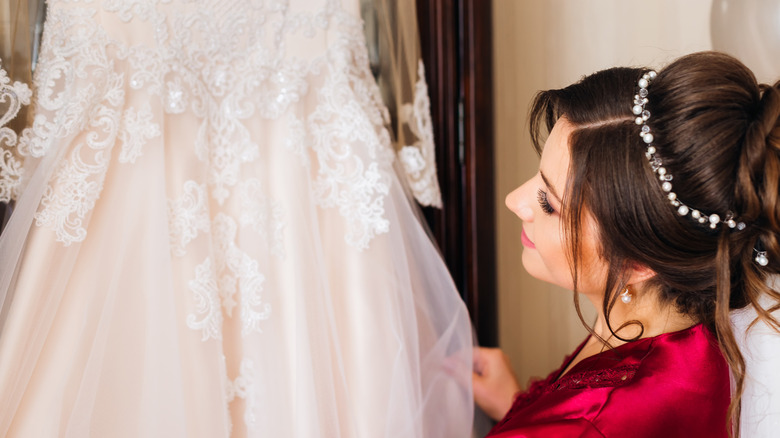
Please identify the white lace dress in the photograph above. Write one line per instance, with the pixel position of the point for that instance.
(209, 239)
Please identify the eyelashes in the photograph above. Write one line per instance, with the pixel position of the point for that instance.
(541, 196)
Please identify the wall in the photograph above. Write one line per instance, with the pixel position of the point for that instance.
(540, 44)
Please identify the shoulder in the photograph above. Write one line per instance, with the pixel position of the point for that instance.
(682, 385)
(673, 385)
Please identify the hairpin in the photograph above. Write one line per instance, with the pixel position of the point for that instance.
(642, 116)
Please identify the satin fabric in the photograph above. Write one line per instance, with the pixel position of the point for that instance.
(672, 385)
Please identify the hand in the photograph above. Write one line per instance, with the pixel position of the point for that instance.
(494, 383)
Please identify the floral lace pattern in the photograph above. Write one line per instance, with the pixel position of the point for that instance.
(215, 286)
(419, 159)
(187, 215)
(12, 97)
(212, 63)
(263, 215)
(608, 377)
(207, 168)
(208, 315)
(599, 378)
(126, 10)
(243, 387)
(238, 273)
(350, 113)
(86, 97)
(136, 128)
(224, 70)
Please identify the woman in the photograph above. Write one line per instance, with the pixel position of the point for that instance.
(657, 199)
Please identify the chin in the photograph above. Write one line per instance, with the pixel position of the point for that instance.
(534, 266)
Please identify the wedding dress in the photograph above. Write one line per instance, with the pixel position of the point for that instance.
(209, 238)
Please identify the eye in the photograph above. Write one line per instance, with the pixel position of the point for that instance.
(541, 196)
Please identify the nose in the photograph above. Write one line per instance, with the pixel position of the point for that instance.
(520, 201)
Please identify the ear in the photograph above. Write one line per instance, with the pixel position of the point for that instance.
(639, 273)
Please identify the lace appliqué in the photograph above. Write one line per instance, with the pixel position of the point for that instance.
(126, 10)
(609, 377)
(238, 272)
(220, 70)
(208, 314)
(137, 127)
(89, 108)
(12, 97)
(201, 76)
(262, 214)
(187, 215)
(603, 378)
(296, 140)
(419, 159)
(244, 387)
(348, 122)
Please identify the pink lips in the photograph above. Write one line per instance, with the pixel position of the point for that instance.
(526, 241)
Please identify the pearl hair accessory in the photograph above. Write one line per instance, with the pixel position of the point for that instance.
(642, 115)
(626, 296)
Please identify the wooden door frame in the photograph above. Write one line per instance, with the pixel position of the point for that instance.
(457, 50)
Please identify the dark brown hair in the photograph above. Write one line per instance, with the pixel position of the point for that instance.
(717, 131)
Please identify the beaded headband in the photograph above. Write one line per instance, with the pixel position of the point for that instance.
(640, 100)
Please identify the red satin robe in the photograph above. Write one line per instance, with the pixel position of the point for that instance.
(672, 385)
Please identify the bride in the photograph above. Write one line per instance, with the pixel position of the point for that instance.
(657, 199)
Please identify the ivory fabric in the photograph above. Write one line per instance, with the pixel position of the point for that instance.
(210, 239)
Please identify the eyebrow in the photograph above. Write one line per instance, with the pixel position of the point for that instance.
(550, 187)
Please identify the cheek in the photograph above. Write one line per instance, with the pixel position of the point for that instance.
(548, 262)
(553, 253)
(594, 268)
(548, 241)
(593, 272)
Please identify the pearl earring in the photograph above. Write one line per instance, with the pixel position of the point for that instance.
(761, 258)
(626, 296)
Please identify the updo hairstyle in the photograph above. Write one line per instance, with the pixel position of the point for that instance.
(717, 131)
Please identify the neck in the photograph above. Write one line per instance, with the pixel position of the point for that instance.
(655, 319)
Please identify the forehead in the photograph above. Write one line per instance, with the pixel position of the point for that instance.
(555, 155)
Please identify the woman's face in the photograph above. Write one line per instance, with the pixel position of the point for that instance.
(538, 204)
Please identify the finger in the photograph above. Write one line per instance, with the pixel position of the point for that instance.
(483, 357)
(478, 356)
(478, 386)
